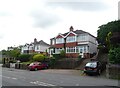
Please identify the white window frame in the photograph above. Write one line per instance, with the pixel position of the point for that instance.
(59, 40)
(83, 37)
(58, 50)
(71, 50)
(71, 39)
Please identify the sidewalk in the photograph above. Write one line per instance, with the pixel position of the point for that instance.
(64, 71)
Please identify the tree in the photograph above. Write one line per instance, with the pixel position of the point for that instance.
(38, 57)
(14, 53)
(103, 31)
(24, 57)
(114, 55)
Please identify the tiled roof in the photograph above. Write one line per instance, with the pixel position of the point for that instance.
(41, 42)
(77, 32)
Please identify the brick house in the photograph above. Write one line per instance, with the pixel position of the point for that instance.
(74, 43)
(35, 47)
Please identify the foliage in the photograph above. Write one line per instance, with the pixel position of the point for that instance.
(114, 55)
(38, 57)
(104, 30)
(79, 57)
(24, 57)
(62, 53)
(14, 53)
(56, 56)
(52, 62)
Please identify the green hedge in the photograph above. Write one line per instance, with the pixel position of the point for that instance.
(25, 57)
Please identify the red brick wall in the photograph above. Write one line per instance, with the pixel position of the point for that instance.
(73, 44)
(86, 55)
(59, 36)
(72, 55)
(71, 34)
(59, 45)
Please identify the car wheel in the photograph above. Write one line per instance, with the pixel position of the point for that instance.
(36, 69)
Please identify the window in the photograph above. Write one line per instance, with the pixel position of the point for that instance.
(82, 37)
(59, 40)
(71, 49)
(71, 39)
(37, 47)
(57, 50)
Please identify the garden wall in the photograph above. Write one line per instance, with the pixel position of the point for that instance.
(113, 71)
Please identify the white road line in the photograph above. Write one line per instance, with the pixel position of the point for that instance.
(8, 77)
(42, 83)
(14, 78)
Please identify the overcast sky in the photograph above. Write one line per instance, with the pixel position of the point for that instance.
(23, 20)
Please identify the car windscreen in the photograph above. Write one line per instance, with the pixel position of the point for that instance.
(31, 64)
(92, 64)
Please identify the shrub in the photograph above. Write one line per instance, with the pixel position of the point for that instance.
(114, 55)
(62, 53)
(56, 56)
(38, 57)
(24, 57)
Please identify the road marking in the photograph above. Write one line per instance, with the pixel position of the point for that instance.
(14, 78)
(8, 77)
(42, 83)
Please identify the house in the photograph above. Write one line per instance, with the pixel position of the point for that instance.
(11, 48)
(35, 47)
(74, 43)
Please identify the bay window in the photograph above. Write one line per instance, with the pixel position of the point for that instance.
(71, 39)
(59, 40)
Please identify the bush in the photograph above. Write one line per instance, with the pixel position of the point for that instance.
(24, 57)
(79, 57)
(56, 56)
(114, 55)
(38, 57)
(62, 53)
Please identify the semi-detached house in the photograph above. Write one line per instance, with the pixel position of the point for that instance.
(74, 43)
(35, 47)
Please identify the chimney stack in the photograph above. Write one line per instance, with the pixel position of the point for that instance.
(71, 28)
(35, 40)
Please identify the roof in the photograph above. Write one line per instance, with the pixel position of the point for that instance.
(41, 42)
(77, 32)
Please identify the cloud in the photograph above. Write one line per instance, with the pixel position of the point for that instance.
(79, 5)
(44, 19)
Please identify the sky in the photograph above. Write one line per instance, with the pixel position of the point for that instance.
(23, 20)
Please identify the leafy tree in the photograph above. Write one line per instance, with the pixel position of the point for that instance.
(103, 31)
(14, 53)
(38, 57)
(114, 55)
(24, 57)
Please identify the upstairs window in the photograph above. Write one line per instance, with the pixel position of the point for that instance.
(71, 39)
(59, 40)
(82, 37)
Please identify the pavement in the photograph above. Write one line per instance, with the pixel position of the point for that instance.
(64, 71)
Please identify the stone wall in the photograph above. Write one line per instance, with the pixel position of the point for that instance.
(66, 64)
(113, 71)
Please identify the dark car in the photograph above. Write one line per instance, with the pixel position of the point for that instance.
(93, 67)
(37, 66)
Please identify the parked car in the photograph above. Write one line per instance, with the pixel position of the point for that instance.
(37, 66)
(93, 67)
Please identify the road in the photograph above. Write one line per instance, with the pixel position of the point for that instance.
(15, 77)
